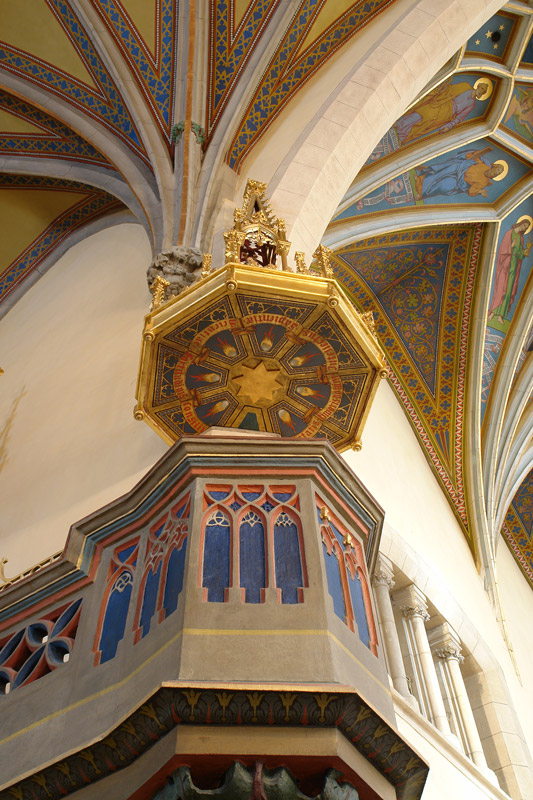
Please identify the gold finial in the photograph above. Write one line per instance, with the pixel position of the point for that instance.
(322, 255)
(234, 240)
(301, 266)
(324, 513)
(158, 289)
(348, 540)
(370, 322)
(207, 259)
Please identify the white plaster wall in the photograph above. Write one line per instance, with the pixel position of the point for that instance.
(70, 350)
(517, 602)
(423, 538)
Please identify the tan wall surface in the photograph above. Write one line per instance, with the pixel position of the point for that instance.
(70, 349)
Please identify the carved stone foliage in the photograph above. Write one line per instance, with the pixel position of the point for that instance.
(253, 783)
(171, 706)
(179, 266)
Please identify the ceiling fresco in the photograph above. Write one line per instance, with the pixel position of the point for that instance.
(232, 39)
(463, 97)
(511, 274)
(434, 234)
(93, 91)
(462, 151)
(419, 285)
(146, 33)
(518, 119)
(313, 35)
(493, 40)
(107, 86)
(481, 172)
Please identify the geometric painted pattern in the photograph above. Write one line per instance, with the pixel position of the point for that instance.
(155, 74)
(290, 67)
(55, 140)
(105, 103)
(419, 284)
(230, 49)
(261, 370)
(518, 527)
(94, 203)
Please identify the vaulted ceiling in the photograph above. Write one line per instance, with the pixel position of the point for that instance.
(96, 97)
(448, 273)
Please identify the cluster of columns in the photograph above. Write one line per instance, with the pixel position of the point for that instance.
(430, 650)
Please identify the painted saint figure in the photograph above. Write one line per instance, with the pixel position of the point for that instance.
(521, 111)
(441, 109)
(463, 172)
(511, 252)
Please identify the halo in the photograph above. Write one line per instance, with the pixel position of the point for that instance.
(501, 163)
(522, 219)
(488, 91)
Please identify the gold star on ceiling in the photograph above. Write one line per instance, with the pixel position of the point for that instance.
(495, 46)
(259, 384)
(488, 34)
(477, 41)
(502, 27)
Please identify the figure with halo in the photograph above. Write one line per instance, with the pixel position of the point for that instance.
(442, 109)
(513, 249)
(466, 172)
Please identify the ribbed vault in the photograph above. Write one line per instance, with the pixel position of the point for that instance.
(376, 115)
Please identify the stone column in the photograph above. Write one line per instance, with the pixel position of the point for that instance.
(412, 603)
(383, 584)
(447, 647)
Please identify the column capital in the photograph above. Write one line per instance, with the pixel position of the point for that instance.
(384, 573)
(412, 602)
(445, 643)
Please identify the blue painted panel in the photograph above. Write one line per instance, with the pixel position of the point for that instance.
(66, 618)
(356, 593)
(174, 581)
(216, 577)
(334, 583)
(219, 494)
(30, 665)
(115, 616)
(288, 565)
(252, 557)
(10, 646)
(149, 599)
(251, 495)
(282, 497)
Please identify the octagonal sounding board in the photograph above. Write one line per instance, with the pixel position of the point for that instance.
(259, 348)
